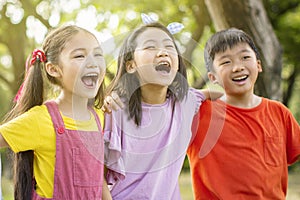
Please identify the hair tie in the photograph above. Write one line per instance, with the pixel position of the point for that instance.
(173, 27)
(38, 55)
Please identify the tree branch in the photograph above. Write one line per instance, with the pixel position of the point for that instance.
(31, 10)
(291, 80)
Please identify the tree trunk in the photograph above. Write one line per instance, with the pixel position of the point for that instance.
(202, 19)
(251, 16)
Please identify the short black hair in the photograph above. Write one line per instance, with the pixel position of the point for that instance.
(223, 40)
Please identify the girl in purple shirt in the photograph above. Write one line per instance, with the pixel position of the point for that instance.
(146, 142)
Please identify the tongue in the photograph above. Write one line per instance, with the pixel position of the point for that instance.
(163, 68)
(87, 81)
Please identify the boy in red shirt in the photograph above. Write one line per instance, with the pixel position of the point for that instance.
(243, 142)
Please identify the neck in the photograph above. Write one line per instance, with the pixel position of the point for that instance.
(246, 101)
(154, 94)
(73, 106)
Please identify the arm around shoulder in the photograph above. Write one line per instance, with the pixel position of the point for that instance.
(212, 94)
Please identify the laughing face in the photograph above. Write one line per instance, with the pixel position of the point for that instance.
(236, 69)
(83, 66)
(155, 58)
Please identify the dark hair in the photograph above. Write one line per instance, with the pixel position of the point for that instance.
(224, 39)
(128, 85)
(33, 94)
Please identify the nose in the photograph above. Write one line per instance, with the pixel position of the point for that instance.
(238, 67)
(90, 62)
(162, 53)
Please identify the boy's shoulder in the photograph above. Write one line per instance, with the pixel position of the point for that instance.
(273, 103)
(276, 107)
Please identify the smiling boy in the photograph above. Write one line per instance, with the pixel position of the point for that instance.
(244, 142)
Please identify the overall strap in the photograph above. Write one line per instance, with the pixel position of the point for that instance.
(96, 118)
(56, 117)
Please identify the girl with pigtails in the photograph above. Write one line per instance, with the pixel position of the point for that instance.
(146, 142)
(58, 142)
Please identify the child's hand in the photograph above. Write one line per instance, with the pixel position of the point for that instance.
(112, 102)
(212, 95)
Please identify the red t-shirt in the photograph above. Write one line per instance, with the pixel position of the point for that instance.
(243, 153)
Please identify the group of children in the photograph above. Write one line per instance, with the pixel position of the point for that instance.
(235, 143)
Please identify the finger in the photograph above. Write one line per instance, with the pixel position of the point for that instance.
(117, 99)
(112, 104)
(106, 106)
(105, 109)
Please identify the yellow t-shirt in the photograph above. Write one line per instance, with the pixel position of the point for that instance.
(34, 131)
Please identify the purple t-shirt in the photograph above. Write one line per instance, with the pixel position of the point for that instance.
(145, 162)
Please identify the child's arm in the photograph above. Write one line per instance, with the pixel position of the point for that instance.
(211, 94)
(105, 191)
(112, 102)
(3, 143)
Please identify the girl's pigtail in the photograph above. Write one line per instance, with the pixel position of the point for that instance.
(30, 95)
(23, 179)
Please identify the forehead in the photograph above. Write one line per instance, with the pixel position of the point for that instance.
(82, 39)
(153, 34)
(234, 50)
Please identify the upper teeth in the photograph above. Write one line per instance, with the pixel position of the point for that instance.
(240, 78)
(163, 63)
(92, 74)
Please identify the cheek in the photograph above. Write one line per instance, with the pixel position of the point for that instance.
(143, 58)
(145, 70)
(175, 62)
(102, 66)
(176, 66)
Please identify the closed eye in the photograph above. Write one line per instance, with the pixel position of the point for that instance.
(246, 57)
(225, 63)
(79, 56)
(149, 47)
(170, 46)
(99, 54)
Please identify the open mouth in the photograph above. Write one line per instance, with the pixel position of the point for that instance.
(90, 79)
(163, 66)
(240, 78)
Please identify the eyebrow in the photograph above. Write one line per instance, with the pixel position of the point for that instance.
(242, 51)
(83, 49)
(164, 40)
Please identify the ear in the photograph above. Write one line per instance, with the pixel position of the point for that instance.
(130, 67)
(53, 70)
(259, 67)
(212, 77)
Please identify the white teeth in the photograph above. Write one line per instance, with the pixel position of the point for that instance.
(92, 74)
(240, 78)
(164, 63)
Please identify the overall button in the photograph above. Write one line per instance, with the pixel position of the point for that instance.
(60, 130)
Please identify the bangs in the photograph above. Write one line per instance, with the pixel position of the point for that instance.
(228, 41)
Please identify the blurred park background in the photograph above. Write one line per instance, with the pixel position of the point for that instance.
(274, 25)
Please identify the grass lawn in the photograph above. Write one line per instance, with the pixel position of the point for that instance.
(7, 189)
(184, 181)
(185, 187)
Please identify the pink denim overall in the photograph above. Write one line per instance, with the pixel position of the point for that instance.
(78, 173)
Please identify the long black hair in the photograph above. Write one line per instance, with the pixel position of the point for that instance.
(128, 85)
(33, 95)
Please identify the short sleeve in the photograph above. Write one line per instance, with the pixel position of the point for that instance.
(113, 150)
(196, 97)
(23, 133)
